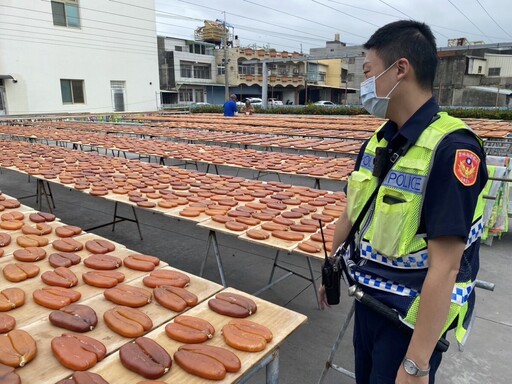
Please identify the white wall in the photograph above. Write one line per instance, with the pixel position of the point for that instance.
(500, 61)
(194, 58)
(115, 42)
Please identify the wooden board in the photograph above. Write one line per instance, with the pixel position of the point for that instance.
(31, 311)
(281, 321)
(274, 242)
(175, 214)
(220, 227)
(46, 368)
(91, 236)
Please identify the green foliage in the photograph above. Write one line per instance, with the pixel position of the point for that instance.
(207, 109)
(311, 109)
(480, 113)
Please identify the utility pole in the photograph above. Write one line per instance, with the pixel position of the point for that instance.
(226, 77)
(498, 94)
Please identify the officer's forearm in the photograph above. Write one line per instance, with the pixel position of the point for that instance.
(341, 231)
(436, 293)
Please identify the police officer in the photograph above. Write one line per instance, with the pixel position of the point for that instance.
(417, 247)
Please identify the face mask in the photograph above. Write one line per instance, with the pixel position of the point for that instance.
(375, 105)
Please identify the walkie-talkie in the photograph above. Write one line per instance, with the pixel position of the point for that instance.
(331, 275)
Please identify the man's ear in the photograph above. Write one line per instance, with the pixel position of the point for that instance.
(403, 68)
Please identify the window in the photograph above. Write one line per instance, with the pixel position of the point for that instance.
(494, 71)
(202, 72)
(72, 91)
(322, 76)
(246, 69)
(220, 70)
(186, 69)
(350, 77)
(117, 89)
(178, 48)
(352, 60)
(199, 49)
(185, 95)
(65, 13)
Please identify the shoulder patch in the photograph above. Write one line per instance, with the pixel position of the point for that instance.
(465, 166)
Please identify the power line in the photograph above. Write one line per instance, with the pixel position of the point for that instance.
(48, 42)
(249, 18)
(364, 9)
(70, 29)
(303, 18)
(411, 18)
(75, 37)
(71, 37)
(86, 19)
(345, 13)
(462, 13)
(396, 9)
(266, 32)
(495, 22)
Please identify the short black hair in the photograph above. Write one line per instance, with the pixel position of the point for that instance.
(412, 40)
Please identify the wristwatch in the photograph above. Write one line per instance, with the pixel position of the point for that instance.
(412, 368)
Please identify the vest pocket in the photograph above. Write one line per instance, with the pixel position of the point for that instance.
(358, 191)
(389, 224)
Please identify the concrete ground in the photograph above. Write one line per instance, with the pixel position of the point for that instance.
(487, 355)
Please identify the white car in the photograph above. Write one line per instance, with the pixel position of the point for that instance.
(325, 103)
(253, 100)
(274, 102)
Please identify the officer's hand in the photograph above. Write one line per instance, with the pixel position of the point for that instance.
(322, 298)
(403, 377)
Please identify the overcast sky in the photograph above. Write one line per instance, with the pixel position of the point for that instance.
(290, 24)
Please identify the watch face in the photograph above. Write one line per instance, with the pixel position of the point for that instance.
(410, 367)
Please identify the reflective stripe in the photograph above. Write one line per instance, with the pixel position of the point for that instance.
(383, 285)
(409, 182)
(461, 294)
(367, 161)
(418, 260)
(474, 234)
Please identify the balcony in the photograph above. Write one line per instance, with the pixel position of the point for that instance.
(273, 79)
(261, 53)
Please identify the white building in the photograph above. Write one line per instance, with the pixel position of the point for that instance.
(69, 56)
(188, 72)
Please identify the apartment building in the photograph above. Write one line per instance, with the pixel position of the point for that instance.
(474, 75)
(286, 73)
(188, 72)
(69, 56)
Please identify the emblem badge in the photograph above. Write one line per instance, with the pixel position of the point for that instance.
(466, 166)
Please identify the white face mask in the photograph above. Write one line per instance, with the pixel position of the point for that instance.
(375, 105)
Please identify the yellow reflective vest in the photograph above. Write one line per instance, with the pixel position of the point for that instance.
(389, 235)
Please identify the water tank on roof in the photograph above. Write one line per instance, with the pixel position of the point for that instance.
(212, 32)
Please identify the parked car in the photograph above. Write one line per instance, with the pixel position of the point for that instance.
(325, 103)
(254, 101)
(200, 104)
(272, 102)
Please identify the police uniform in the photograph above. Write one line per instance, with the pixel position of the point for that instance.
(443, 186)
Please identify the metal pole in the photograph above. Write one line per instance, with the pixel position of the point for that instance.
(264, 87)
(226, 77)
(498, 94)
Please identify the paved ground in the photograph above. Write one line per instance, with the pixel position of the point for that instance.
(486, 358)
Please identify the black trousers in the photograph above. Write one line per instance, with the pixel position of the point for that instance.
(380, 347)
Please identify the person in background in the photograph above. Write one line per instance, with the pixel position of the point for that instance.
(248, 108)
(230, 108)
(417, 248)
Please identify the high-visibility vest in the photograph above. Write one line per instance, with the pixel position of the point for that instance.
(389, 234)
